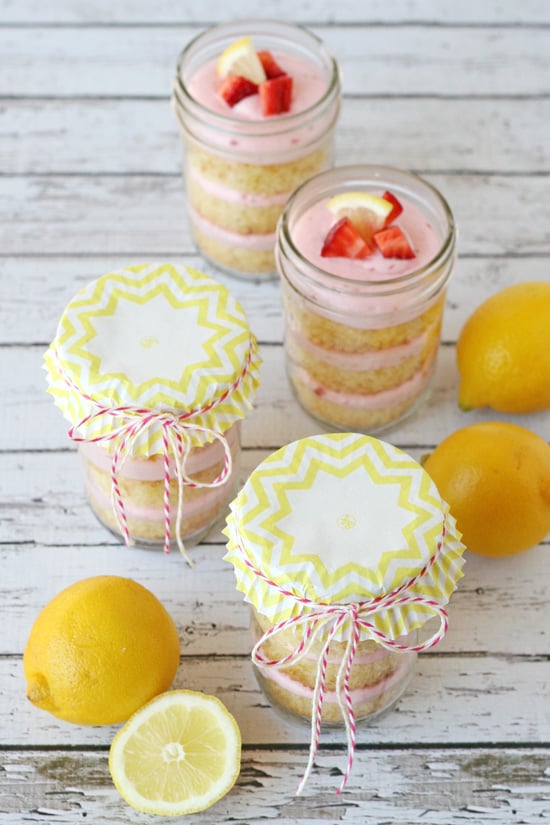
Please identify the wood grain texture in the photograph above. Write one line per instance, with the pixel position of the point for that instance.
(90, 181)
(488, 685)
(138, 62)
(106, 136)
(497, 214)
(493, 786)
(210, 614)
(30, 421)
(140, 12)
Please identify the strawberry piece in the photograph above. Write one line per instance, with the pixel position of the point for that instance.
(397, 207)
(270, 65)
(276, 95)
(344, 241)
(392, 243)
(235, 88)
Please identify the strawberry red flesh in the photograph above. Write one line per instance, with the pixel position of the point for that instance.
(276, 95)
(270, 65)
(397, 207)
(392, 243)
(235, 88)
(344, 241)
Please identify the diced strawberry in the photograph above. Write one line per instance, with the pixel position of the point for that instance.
(397, 207)
(271, 67)
(392, 243)
(276, 95)
(344, 241)
(235, 88)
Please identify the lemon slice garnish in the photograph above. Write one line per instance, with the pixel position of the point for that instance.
(240, 59)
(177, 755)
(368, 213)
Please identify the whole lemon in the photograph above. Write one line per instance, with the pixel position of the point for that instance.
(100, 650)
(503, 351)
(496, 479)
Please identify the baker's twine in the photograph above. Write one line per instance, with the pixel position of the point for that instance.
(176, 441)
(322, 623)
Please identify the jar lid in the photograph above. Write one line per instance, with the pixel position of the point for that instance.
(153, 338)
(343, 518)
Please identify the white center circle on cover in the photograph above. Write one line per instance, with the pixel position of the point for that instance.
(345, 520)
(151, 339)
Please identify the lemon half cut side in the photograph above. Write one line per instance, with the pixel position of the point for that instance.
(177, 755)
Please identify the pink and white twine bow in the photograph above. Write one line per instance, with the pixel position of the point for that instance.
(176, 428)
(321, 623)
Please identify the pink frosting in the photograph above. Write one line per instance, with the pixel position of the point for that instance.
(152, 469)
(377, 401)
(245, 134)
(261, 242)
(209, 498)
(308, 86)
(359, 695)
(311, 228)
(357, 361)
(374, 304)
(224, 193)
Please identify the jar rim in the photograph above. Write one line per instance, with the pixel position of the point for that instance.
(309, 193)
(184, 100)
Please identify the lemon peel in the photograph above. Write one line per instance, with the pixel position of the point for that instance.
(503, 351)
(99, 650)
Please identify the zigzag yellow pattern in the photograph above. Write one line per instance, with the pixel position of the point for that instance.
(343, 463)
(254, 527)
(107, 295)
(225, 343)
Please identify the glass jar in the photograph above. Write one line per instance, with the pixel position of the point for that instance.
(378, 676)
(155, 367)
(344, 549)
(362, 336)
(142, 485)
(240, 167)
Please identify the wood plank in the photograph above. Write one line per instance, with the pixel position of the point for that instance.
(399, 60)
(115, 136)
(451, 700)
(210, 613)
(145, 215)
(30, 421)
(142, 12)
(435, 786)
(35, 290)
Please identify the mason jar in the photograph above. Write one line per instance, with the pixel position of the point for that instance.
(241, 166)
(378, 676)
(344, 550)
(142, 484)
(362, 334)
(155, 367)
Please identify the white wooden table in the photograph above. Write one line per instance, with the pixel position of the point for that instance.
(90, 180)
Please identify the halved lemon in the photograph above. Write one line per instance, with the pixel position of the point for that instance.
(368, 213)
(179, 754)
(240, 59)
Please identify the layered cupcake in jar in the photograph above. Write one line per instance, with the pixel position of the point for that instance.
(155, 367)
(365, 254)
(257, 103)
(344, 549)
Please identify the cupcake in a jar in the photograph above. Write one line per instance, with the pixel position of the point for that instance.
(154, 367)
(344, 549)
(365, 254)
(257, 102)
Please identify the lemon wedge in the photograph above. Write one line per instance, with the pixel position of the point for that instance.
(240, 59)
(368, 213)
(177, 755)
